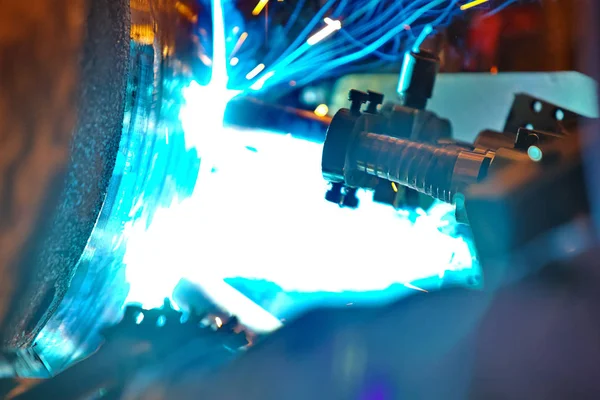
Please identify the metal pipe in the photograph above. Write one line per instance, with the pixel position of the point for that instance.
(440, 172)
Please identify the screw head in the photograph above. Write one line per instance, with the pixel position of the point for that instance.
(334, 194)
(350, 199)
(358, 96)
(375, 97)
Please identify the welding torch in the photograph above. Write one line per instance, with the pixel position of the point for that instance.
(371, 145)
(510, 186)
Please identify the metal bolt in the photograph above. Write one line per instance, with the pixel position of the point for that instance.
(357, 99)
(334, 194)
(375, 99)
(350, 199)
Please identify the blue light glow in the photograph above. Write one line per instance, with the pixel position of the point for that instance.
(261, 216)
(258, 219)
(535, 153)
(250, 228)
(421, 38)
(366, 27)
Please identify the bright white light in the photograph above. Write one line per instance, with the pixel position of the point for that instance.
(332, 26)
(255, 71)
(157, 257)
(262, 215)
(260, 82)
(321, 110)
(267, 219)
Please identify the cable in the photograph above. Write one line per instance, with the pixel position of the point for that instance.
(294, 16)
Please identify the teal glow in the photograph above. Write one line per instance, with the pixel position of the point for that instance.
(421, 38)
(408, 63)
(535, 153)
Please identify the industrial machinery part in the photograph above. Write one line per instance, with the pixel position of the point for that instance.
(103, 82)
(394, 121)
(415, 87)
(527, 111)
(361, 148)
(64, 66)
(417, 78)
(151, 162)
(404, 121)
(412, 148)
(142, 338)
(104, 147)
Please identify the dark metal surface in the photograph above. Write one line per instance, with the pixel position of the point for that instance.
(37, 108)
(344, 142)
(454, 344)
(534, 113)
(52, 256)
(154, 166)
(417, 78)
(76, 161)
(334, 147)
(425, 168)
(142, 338)
(521, 202)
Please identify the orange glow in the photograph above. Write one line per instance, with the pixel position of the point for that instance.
(142, 34)
(494, 70)
(186, 12)
(239, 43)
(321, 110)
(259, 6)
(205, 60)
(472, 4)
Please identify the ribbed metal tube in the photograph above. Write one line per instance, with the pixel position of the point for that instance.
(425, 168)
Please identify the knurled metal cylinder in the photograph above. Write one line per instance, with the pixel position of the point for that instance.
(425, 168)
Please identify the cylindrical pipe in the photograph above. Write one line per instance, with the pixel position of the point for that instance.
(439, 172)
(422, 167)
